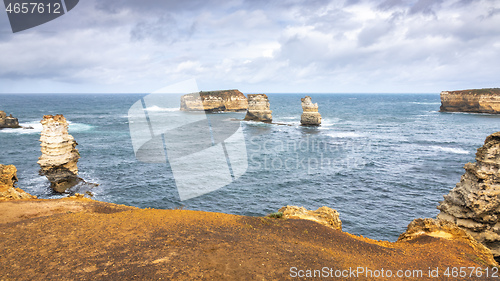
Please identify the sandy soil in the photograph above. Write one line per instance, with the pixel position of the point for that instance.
(81, 239)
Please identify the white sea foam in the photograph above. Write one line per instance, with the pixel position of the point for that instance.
(450, 149)
(426, 103)
(37, 128)
(344, 135)
(156, 108)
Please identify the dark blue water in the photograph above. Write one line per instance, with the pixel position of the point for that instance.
(380, 160)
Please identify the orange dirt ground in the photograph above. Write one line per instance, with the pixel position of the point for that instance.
(82, 239)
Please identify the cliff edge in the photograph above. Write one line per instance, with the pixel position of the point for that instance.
(225, 100)
(474, 101)
(474, 204)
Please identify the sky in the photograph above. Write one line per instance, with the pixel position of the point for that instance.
(257, 46)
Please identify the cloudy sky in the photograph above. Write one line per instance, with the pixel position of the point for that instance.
(350, 46)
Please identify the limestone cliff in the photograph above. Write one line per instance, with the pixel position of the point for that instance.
(475, 101)
(8, 121)
(310, 115)
(323, 215)
(474, 204)
(59, 154)
(8, 179)
(227, 100)
(259, 108)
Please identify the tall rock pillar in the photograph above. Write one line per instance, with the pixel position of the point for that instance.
(59, 154)
(310, 115)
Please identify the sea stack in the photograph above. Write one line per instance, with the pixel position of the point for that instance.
(474, 101)
(59, 154)
(474, 204)
(310, 115)
(8, 121)
(213, 101)
(259, 108)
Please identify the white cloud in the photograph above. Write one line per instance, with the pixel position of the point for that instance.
(258, 46)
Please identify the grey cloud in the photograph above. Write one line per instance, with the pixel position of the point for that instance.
(425, 6)
(166, 28)
(372, 34)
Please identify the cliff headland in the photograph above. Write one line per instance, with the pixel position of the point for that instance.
(213, 101)
(474, 101)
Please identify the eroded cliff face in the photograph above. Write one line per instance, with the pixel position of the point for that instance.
(310, 115)
(474, 204)
(475, 101)
(8, 179)
(259, 108)
(227, 100)
(59, 154)
(8, 121)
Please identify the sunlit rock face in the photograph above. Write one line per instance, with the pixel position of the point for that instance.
(310, 115)
(226, 100)
(474, 101)
(259, 108)
(59, 154)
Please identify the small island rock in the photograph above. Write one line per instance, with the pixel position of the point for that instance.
(226, 100)
(8, 121)
(259, 108)
(310, 115)
(59, 154)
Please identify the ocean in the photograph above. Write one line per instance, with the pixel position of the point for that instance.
(380, 160)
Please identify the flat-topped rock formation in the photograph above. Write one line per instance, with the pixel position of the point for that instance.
(310, 115)
(474, 204)
(59, 154)
(8, 121)
(259, 108)
(474, 101)
(226, 100)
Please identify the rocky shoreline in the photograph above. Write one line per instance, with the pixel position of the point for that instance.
(79, 238)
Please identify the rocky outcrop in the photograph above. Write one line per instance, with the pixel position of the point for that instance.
(419, 228)
(8, 179)
(259, 108)
(59, 154)
(310, 115)
(227, 100)
(323, 215)
(474, 204)
(8, 121)
(475, 101)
